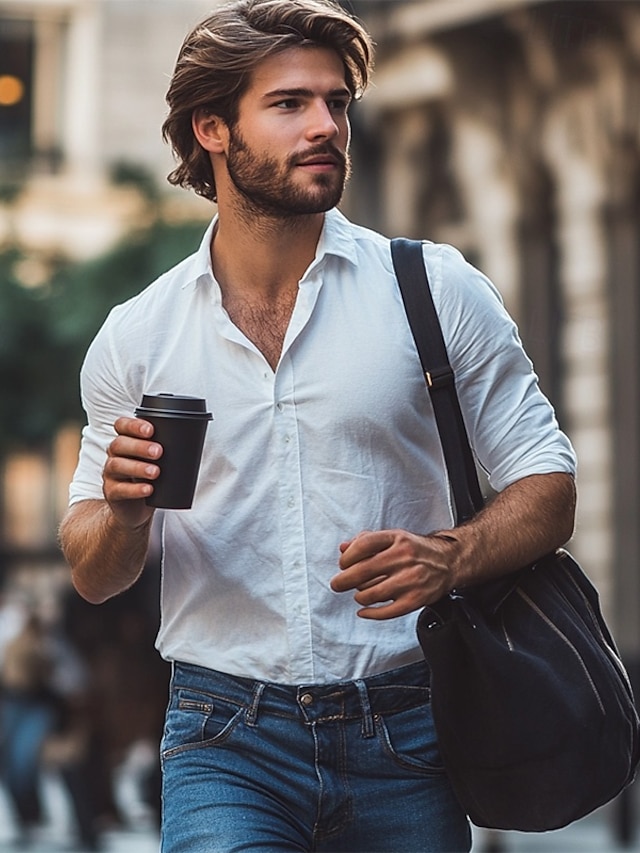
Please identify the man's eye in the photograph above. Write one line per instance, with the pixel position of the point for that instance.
(287, 104)
(339, 105)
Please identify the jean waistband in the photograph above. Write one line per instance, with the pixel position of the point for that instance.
(385, 693)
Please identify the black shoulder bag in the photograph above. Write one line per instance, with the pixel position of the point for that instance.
(533, 709)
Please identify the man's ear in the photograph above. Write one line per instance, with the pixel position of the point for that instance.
(210, 130)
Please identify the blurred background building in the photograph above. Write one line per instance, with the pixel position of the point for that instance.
(510, 128)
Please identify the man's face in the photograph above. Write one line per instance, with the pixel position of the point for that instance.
(288, 150)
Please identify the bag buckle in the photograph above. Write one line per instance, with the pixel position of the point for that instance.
(439, 377)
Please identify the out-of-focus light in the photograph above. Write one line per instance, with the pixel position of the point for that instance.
(11, 90)
(32, 273)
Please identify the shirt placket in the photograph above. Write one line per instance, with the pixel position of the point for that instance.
(294, 550)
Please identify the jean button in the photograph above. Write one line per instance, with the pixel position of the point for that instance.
(306, 699)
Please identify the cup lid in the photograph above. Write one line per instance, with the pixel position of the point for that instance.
(173, 404)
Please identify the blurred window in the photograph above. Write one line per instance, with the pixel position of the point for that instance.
(16, 101)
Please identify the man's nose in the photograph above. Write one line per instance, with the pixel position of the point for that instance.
(322, 122)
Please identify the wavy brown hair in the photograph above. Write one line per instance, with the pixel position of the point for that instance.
(217, 58)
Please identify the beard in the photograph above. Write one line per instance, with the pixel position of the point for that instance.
(267, 187)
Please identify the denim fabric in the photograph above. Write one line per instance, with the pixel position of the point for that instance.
(349, 767)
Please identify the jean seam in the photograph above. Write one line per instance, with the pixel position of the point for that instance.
(221, 737)
(416, 767)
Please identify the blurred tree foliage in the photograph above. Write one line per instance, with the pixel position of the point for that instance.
(46, 328)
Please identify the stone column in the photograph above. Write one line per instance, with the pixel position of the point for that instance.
(570, 140)
(82, 98)
(47, 69)
(491, 202)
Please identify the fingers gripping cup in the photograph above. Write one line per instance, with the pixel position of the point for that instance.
(179, 425)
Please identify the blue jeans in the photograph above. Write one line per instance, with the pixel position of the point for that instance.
(352, 766)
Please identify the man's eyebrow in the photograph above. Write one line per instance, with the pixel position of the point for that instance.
(302, 92)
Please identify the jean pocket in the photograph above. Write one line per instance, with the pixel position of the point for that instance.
(195, 720)
(409, 739)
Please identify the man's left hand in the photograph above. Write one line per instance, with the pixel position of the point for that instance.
(396, 572)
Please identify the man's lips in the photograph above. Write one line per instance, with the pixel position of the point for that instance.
(321, 161)
(319, 166)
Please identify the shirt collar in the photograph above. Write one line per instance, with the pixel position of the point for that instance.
(336, 239)
(198, 266)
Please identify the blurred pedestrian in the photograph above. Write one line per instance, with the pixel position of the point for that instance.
(299, 716)
(67, 750)
(13, 615)
(28, 713)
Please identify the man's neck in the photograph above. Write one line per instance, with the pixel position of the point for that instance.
(263, 257)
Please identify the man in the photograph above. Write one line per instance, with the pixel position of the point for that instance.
(299, 715)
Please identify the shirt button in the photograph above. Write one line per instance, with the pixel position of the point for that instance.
(306, 699)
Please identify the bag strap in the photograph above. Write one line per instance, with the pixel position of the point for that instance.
(412, 278)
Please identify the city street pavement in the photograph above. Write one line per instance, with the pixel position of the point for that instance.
(57, 835)
(593, 834)
(113, 842)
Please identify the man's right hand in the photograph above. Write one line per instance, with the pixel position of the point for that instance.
(131, 463)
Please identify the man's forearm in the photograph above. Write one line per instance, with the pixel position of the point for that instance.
(528, 519)
(105, 556)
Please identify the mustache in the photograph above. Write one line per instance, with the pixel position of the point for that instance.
(326, 149)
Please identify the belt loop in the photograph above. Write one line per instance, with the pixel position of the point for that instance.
(368, 729)
(251, 717)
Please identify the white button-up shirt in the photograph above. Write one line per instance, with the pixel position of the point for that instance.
(340, 438)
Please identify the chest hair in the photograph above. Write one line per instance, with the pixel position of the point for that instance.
(264, 321)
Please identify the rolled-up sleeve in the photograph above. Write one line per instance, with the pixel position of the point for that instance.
(104, 397)
(512, 426)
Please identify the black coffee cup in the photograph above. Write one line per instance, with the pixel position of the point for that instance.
(179, 425)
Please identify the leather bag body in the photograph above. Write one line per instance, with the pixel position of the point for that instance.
(534, 712)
